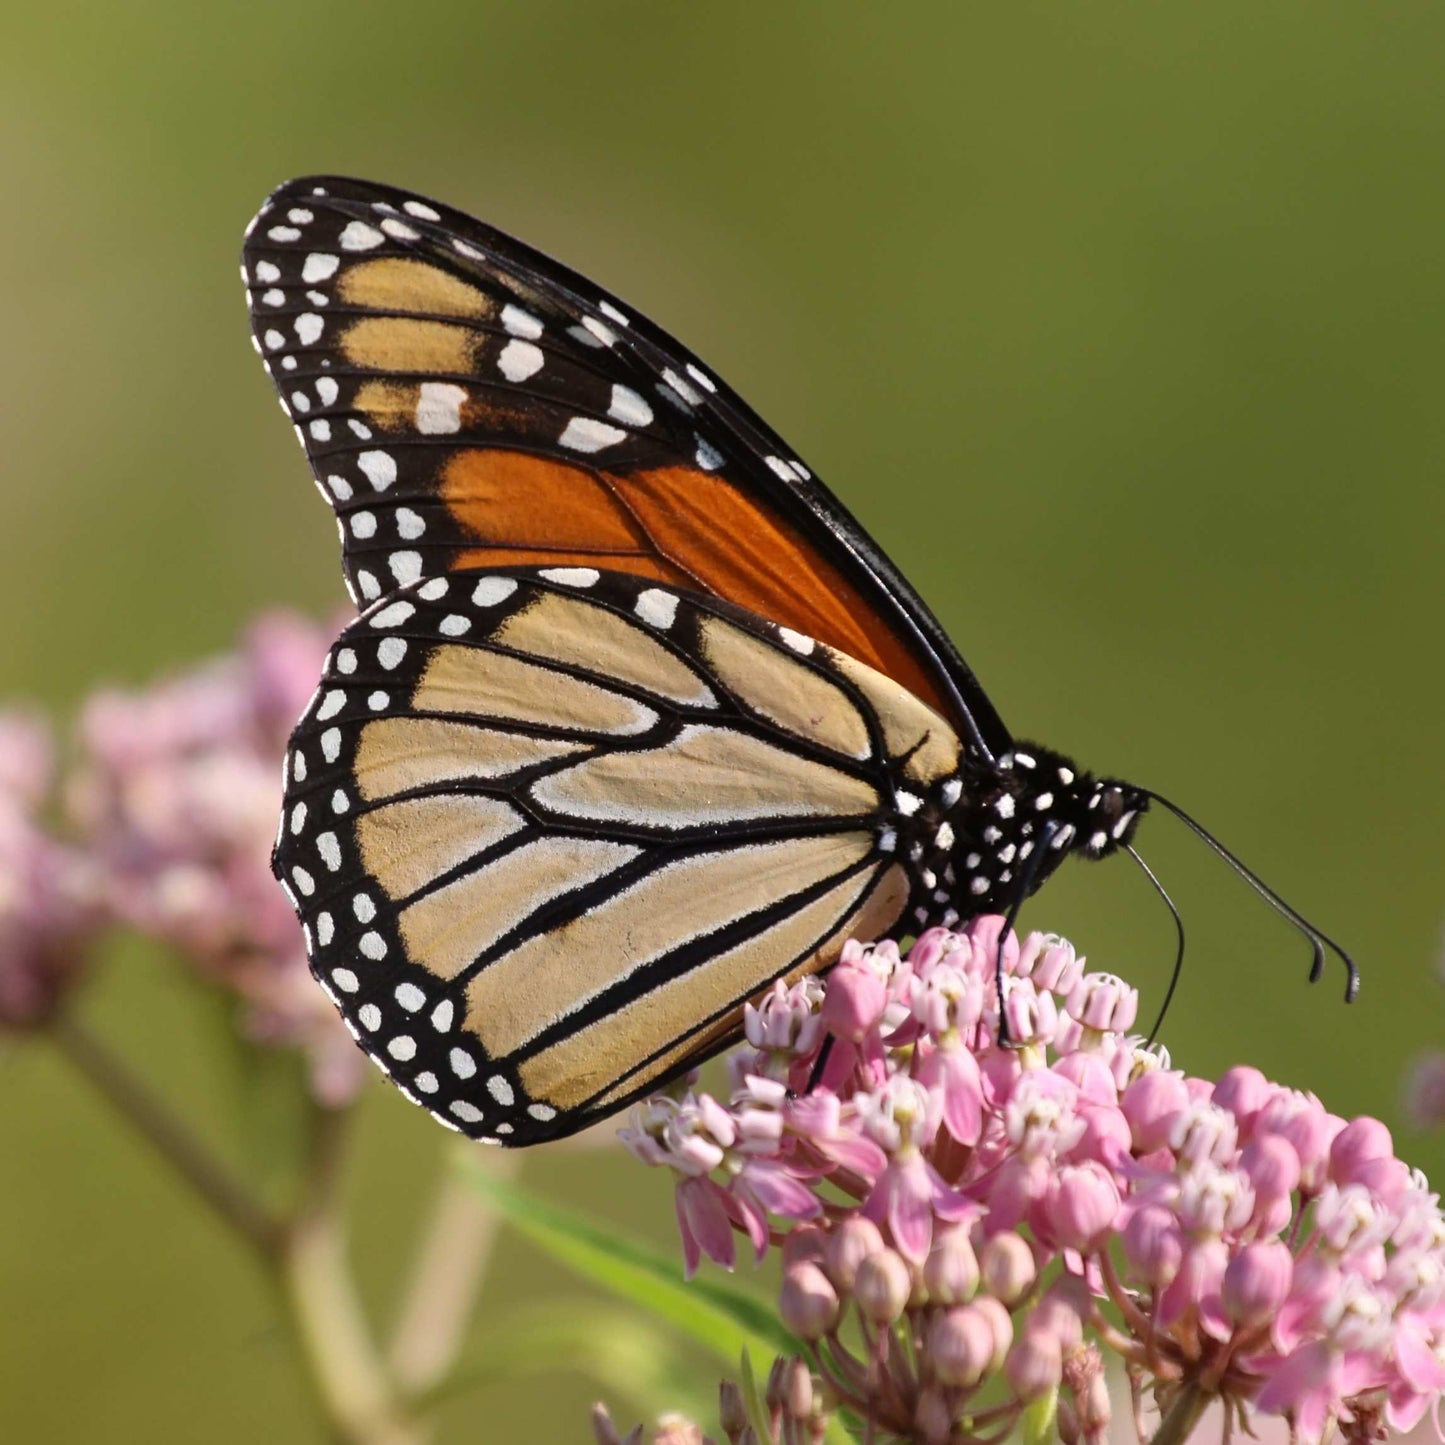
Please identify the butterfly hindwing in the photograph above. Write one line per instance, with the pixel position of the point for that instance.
(548, 830)
(466, 402)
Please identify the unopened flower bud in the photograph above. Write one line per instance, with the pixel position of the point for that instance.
(1035, 1363)
(1062, 1311)
(806, 1242)
(797, 1390)
(1244, 1091)
(808, 1302)
(1006, 1264)
(732, 1410)
(1150, 1104)
(1257, 1282)
(852, 1242)
(962, 1345)
(855, 1001)
(950, 1273)
(1271, 1165)
(882, 1287)
(1082, 1205)
(1153, 1244)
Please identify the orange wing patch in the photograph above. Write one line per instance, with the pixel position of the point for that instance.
(680, 526)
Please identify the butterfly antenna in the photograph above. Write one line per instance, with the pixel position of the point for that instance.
(1179, 954)
(1319, 942)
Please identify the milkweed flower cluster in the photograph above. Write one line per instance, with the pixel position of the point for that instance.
(952, 1212)
(48, 890)
(170, 807)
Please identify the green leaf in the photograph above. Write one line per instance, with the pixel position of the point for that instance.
(632, 1358)
(753, 1400)
(717, 1314)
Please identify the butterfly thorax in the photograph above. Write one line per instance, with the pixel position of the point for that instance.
(1009, 825)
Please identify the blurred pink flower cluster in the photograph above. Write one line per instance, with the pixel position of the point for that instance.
(1425, 1079)
(170, 808)
(49, 892)
(950, 1210)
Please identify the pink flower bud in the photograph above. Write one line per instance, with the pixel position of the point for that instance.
(1271, 1165)
(1153, 1244)
(882, 1287)
(1301, 1120)
(1244, 1092)
(1006, 1265)
(798, 1391)
(1035, 1364)
(1104, 1003)
(983, 933)
(1257, 1282)
(950, 1274)
(1360, 1144)
(805, 1243)
(808, 1303)
(1150, 1104)
(961, 1346)
(855, 1240)
(854, 1002)
(1081, 1206)
(1062, 1311)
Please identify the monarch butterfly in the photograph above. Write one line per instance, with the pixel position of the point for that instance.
(636, 719)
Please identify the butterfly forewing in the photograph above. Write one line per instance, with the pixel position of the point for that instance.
(466, 402)
(549, 829)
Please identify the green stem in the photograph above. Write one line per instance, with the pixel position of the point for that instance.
(1183, 1415)
(445, 1279)
(168, 1135)
(353, 1387)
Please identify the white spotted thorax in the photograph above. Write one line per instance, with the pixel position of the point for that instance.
(978, 836)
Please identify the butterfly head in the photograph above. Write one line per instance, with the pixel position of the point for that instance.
(1030, 811)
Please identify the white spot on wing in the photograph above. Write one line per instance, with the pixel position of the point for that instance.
(519, 360)
(309, 327)
(585, 434)
(405, 566)
(393, 615)
(656, 608)
(319, 267)
(521, 323)
(604, 334)
(628, 407)
(571, 576)
(798, 641)
(379, 468)
(708, 457)
(608, 309)
(358, 236)
(439, 408)
(491, 590)
(417, 208)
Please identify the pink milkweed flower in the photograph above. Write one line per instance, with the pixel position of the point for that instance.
(49, 892)
(947, 1191)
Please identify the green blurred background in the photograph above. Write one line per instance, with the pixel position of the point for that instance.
(1120, 326)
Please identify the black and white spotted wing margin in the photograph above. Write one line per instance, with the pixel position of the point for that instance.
(548, 829)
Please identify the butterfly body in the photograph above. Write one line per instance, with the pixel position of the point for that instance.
(636, 719)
